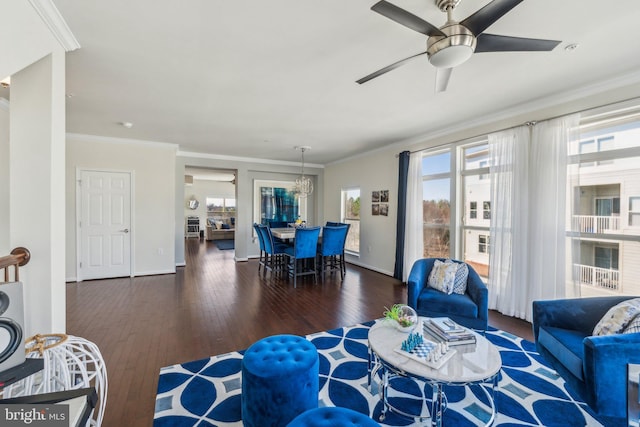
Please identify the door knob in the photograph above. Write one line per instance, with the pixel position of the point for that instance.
(126, 230)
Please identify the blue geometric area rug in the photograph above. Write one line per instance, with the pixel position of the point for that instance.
(207, 392)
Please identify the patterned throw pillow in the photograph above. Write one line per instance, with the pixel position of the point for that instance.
(618, 317)
(460, 281)
(442, 276)
(633, 327)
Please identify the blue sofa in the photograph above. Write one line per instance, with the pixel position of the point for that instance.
(470, 310)
(595, 367)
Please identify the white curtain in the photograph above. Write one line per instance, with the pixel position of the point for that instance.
(414, 229)
(548, 202)
(508, 154)
(528, 250)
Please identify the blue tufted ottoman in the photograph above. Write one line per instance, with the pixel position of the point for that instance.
(279, 380)
(332, 417)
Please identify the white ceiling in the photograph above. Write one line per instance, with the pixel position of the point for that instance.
(255, 78)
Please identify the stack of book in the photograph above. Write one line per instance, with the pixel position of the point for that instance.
(446, 330)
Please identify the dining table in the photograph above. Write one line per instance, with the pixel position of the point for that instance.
(284, 233)
(289, 233)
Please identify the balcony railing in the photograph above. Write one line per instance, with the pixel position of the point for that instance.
(602, 278)
(595, 224)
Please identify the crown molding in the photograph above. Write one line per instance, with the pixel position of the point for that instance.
(4, 104)
(246, 159)
(571, 95)
(51, 16)
(79, 137)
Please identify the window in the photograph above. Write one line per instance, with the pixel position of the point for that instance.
(351, 215)
(604, 180)
(452, 227)
(606, 258)
(436, 204)
(476, 185)
(595, 146)
(607, 206)
(483, 164)
(483, 244)
(222, 209)
(634, 211)
(486, 210)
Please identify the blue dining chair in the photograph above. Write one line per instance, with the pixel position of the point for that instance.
(274, 251)
(331, 249)
(304, 248)
(277, 224)
(263, 254)
(343, 263)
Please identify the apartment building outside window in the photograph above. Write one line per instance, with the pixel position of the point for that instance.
(604, 182)
(475, 191)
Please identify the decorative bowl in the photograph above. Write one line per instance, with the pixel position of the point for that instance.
(403, 317)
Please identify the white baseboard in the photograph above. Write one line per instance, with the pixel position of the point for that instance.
(370, 267)
(154, 273)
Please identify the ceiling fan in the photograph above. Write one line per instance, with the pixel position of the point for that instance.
(455, 42)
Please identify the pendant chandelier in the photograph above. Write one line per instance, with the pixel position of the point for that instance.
(304, 186)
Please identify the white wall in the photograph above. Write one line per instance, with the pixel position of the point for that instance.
(24, 38)
(36, 188)
(377, 171)
(34, 172)
(4, 179)
(153, 219)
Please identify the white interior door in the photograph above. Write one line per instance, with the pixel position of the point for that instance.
(105, 224)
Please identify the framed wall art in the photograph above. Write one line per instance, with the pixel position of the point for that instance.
(276, 201)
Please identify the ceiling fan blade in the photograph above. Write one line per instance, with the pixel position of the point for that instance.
(496, 43)
(442, 78)
(388, 68)
(483, 18)
(405, 18)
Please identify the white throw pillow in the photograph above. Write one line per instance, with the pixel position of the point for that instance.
(633, 327)
(618, 317)
(442, 276)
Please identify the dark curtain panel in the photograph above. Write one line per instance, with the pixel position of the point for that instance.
(403, 171)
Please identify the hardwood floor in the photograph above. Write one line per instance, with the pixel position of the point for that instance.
(213, 306)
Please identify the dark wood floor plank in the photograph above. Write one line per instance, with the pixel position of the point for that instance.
(213, 306)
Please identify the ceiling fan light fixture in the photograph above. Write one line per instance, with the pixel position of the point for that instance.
(453, 50)
(451, 56)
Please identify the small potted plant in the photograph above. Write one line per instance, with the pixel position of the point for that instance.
(403, 317)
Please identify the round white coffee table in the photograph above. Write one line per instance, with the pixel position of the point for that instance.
(477, 363)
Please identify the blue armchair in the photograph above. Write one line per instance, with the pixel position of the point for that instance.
(470, 310)
(595, 367)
